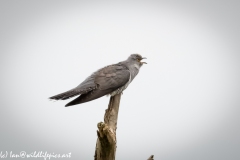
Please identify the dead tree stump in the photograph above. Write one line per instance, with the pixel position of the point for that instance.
(150, 158)
(107, 141)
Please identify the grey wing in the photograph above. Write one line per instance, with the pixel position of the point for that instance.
(112, 77)
(108, 78)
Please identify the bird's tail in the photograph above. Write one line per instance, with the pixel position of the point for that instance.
(65, 95)
(88, 97)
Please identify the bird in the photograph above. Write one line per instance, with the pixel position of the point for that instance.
(110, 80)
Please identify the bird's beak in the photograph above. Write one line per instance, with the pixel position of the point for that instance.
(143, 62)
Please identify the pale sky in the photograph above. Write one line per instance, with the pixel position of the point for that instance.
(183, 105)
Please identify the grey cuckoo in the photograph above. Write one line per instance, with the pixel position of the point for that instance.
(110, 80)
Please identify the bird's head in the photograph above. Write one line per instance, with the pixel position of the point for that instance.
(136, 58)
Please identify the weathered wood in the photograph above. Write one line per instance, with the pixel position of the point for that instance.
(150, 158)
(107, 143)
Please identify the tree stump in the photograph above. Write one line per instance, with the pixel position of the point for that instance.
(150, 158)
(107, 142)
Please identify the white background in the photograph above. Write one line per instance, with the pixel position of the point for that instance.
(183, 105)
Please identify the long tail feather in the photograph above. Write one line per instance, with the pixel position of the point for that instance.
(65, 95)
(94, 94)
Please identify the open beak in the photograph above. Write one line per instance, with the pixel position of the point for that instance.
(143, 62)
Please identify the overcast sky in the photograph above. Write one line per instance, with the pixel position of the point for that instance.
(183, 105)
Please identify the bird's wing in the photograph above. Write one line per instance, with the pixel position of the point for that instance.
(108, 78)
(112, 77)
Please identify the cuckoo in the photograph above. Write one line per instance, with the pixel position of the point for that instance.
(109, 80)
